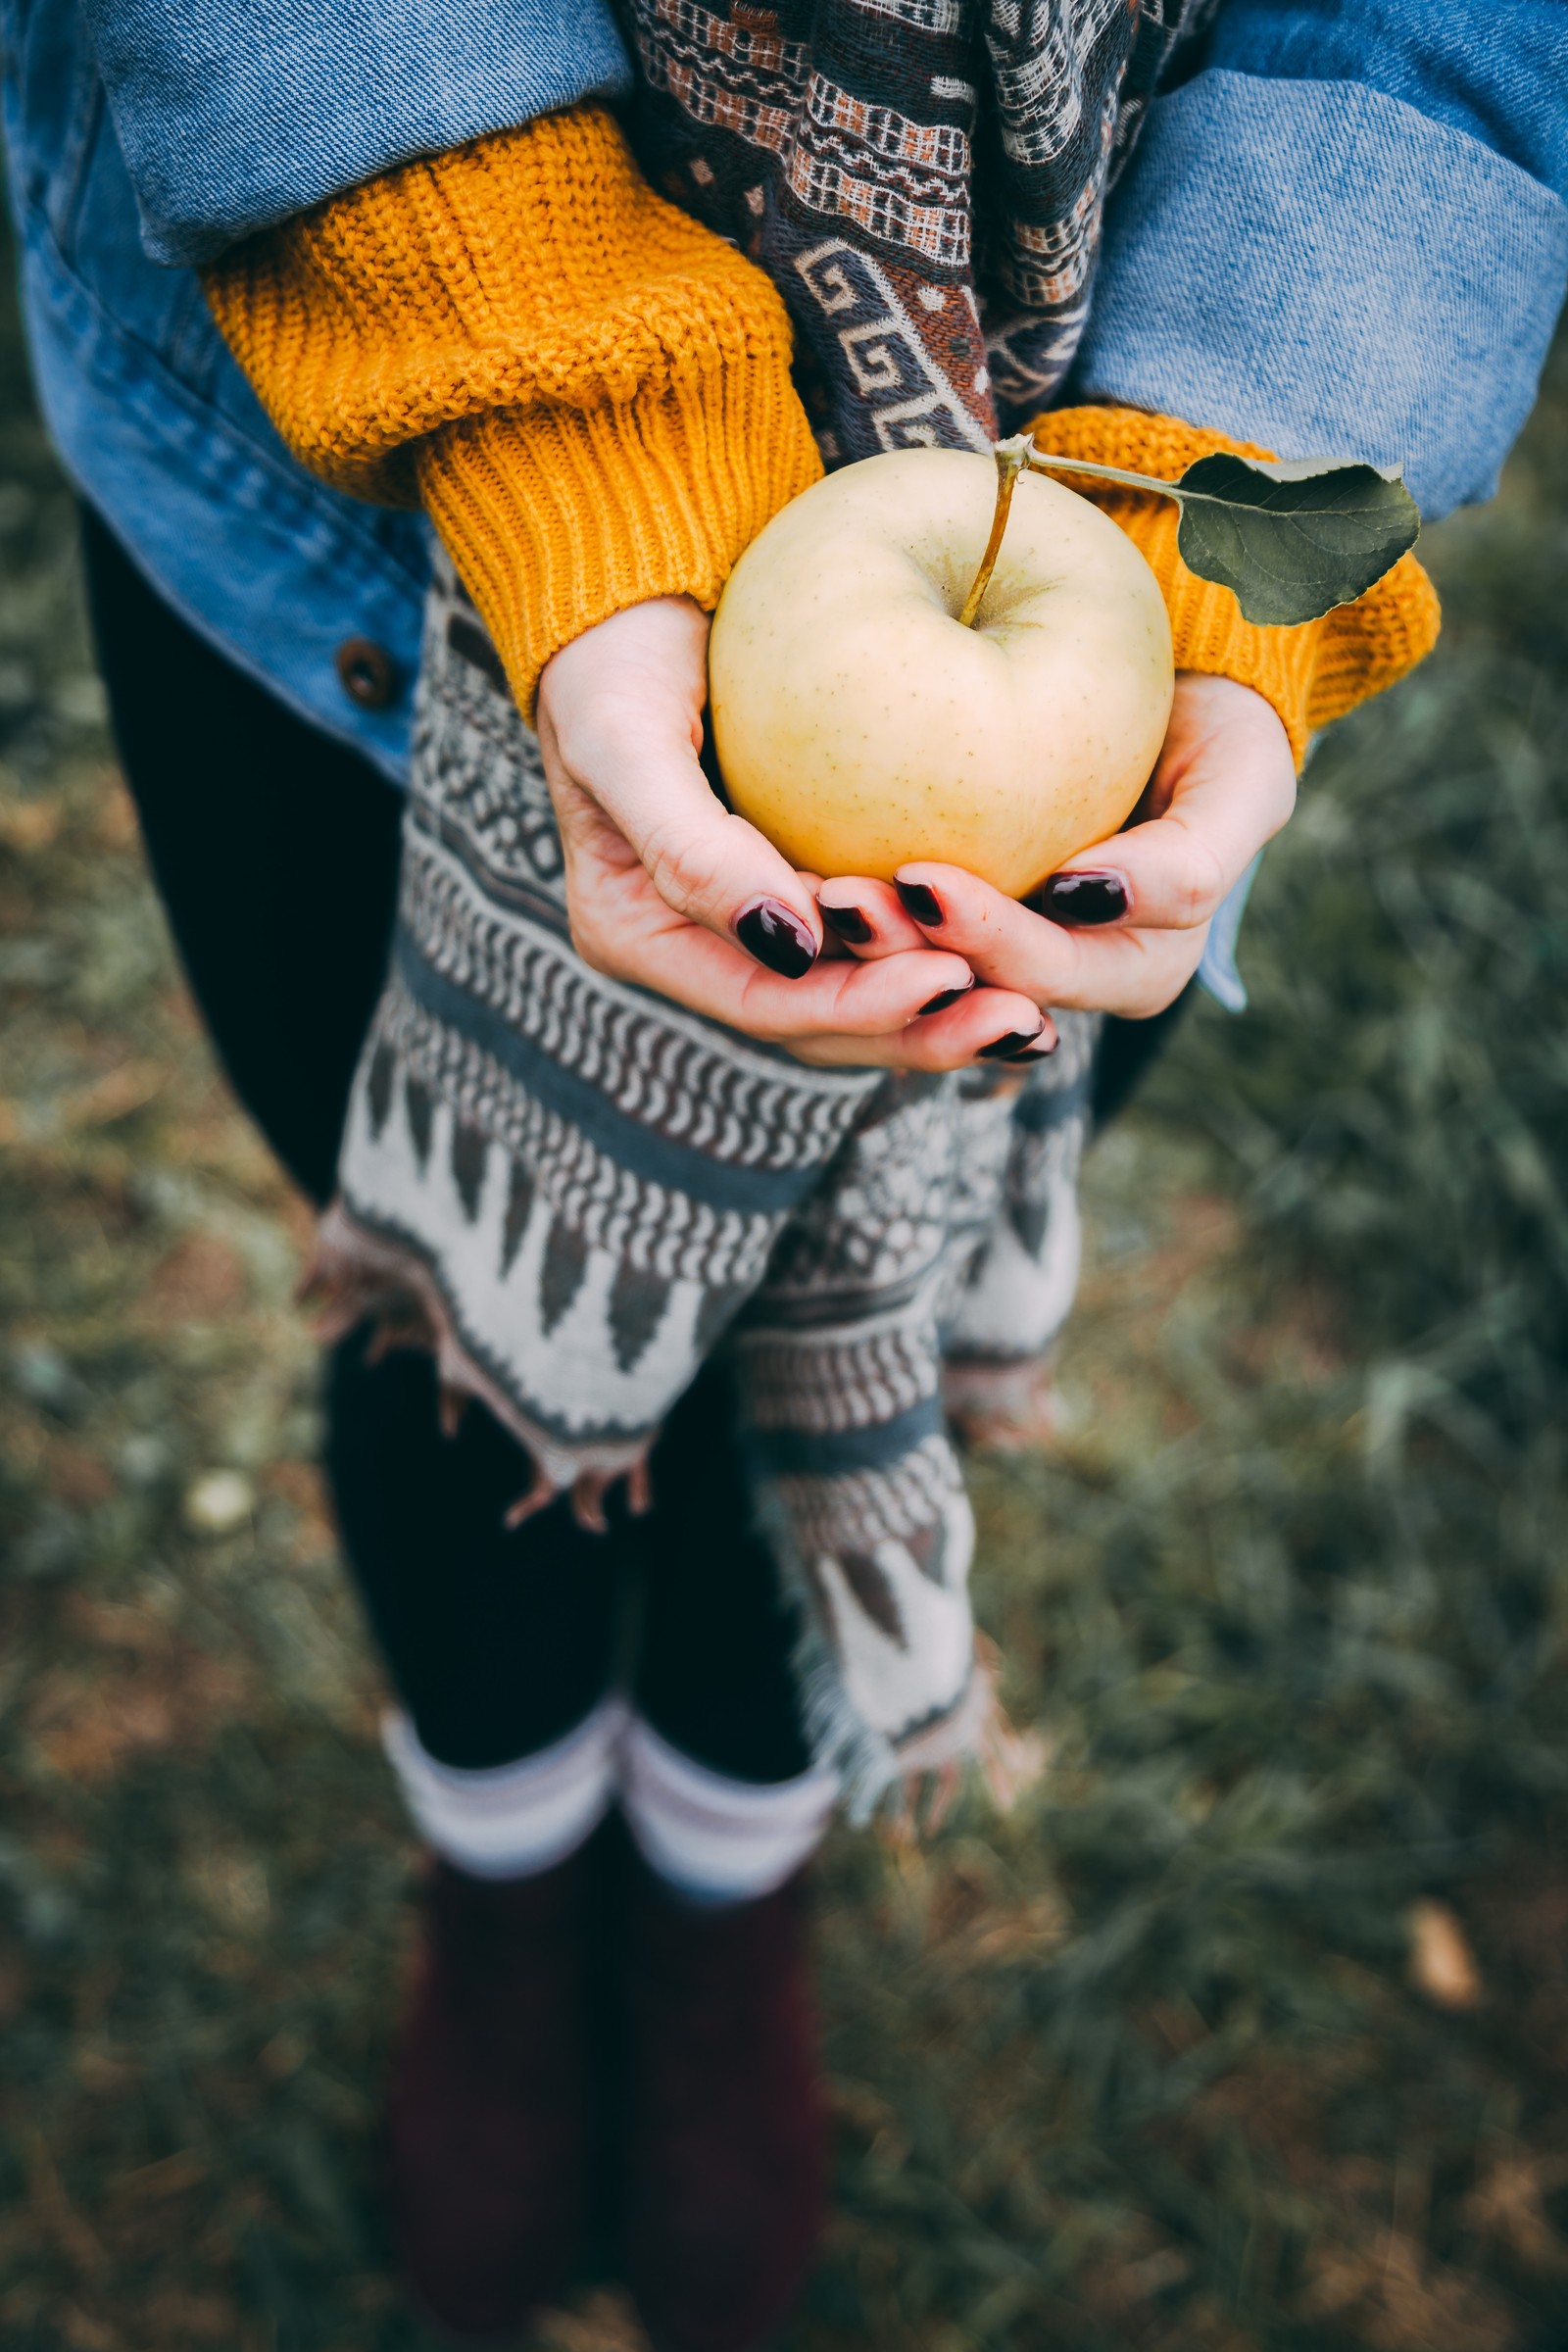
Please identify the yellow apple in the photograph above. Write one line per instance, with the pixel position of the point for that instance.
(858, 724)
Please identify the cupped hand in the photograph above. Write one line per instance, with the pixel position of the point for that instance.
(1119, 928)
(667, 889)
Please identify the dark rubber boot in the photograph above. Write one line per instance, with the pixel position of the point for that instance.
(726, 2153)
(487, 2121)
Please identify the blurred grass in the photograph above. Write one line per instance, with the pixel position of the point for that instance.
(1249, 2033)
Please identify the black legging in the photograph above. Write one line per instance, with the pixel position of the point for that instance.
(275, 853)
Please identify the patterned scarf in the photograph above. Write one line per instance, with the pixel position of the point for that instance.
(571, 1191)
(923, 180)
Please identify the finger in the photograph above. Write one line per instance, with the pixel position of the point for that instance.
(1005, 1032)
(620, 727)
(863, 918)
(659, 950)
(983, 1024)
(1224, 787)
(917, 989)
(707, 865)
(1173, 872)
(866, 917)
(1128, 970)
(832, 945)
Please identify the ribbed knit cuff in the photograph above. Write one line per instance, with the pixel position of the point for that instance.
(557, 517)
(1311, 674)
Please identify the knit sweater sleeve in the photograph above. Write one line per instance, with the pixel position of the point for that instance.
(1312, 673)
(589, 392)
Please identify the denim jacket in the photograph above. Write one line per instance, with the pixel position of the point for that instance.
(1345, 229)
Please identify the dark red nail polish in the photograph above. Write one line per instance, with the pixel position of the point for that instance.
(778, 938)
(948, 995)
(1034, 1051)
(1080, 901)
(848, 922)
(1003, 1049)
(922, 904)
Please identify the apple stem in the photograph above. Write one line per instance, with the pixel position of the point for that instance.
(1011, 458)
(1043, 462)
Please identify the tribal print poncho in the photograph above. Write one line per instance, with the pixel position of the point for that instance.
(572, 1191)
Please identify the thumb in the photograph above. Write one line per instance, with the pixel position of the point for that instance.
(620, 721)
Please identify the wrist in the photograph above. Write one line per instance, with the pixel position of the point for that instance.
(642, 670)
(559, 518)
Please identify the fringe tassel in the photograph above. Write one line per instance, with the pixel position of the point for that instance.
(908, 1787)
(356, 1276)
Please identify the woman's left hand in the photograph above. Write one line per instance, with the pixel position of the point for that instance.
(1121, 927)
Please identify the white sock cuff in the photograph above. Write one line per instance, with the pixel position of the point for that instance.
(716, 1838)
(516, 1820)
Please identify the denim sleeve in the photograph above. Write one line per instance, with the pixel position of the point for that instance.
(1346, 232)
(231, 116)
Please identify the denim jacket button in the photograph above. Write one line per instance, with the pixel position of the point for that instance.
(368, 674)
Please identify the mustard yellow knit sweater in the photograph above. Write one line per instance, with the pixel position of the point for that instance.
(591, 396)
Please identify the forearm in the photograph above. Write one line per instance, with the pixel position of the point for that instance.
(588, 391)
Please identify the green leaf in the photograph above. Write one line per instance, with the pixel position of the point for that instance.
(1294, 539)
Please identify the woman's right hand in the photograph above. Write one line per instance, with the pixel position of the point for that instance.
(667, 889)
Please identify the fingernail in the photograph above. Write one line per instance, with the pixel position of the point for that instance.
(778, 938)
(948, 995)
(1003, 1049)
(1079, 901)
(848, 922)
(920, 903)
(1034, 1050)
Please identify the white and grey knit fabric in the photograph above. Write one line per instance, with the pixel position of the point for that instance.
(573, 1192)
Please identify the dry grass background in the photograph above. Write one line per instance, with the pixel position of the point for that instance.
(1249, 2033)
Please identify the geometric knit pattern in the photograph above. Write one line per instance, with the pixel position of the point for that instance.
(837, 145)
(572, 1192)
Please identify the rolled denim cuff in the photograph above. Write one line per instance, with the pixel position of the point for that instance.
(1320, 268)
(231, 117)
